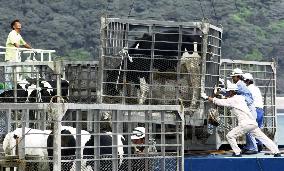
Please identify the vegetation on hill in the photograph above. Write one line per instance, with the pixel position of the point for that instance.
(253, 30)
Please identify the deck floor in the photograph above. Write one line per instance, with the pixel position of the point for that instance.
(223, 161)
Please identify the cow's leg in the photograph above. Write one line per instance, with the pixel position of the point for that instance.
(192, 62)
(193, 81)
(142, 93)
(193, 69)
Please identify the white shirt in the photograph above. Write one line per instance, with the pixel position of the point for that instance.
(13, 37)
(256, 94)
(239, 108)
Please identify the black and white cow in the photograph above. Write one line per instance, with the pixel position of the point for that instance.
(27, 91)
(67, 153)
(8, 96)
(68, 139)
(167, 47)
(105, 150)
(46, 90)
(32, 147)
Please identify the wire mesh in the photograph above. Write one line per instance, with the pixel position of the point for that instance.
(264, 78)
(100, 148)
(167, 56)
(37, 82)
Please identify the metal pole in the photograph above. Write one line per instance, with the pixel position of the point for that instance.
(182, 142)
(163, 141)
(58, 79)
(57, 139)
(102, 58)
(15, 83)
(21, 147)
(114, 139)
(129, 143)
(78, 139)
(96, 126)
(147, 137)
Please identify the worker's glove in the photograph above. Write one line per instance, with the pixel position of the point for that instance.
(217, 90)
(204, 96)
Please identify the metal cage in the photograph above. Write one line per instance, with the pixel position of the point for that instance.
(77, 81)
(162, 148)
(159, 62)
(264, 74)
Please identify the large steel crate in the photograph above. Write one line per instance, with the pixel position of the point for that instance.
(264, 74)
(77, 81)
(103, 130)
(158, 62)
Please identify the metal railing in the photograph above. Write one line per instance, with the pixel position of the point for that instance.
(32, 54)
(264, 74)
(164, 125)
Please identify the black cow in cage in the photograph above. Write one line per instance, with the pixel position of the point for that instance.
(47, 89)
(8, 96)
(68, 153)
(27, 91)
(105, 151)
(165, 48)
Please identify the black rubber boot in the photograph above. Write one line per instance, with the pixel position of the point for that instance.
(277, 155)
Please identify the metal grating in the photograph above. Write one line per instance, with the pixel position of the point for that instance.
(152, 62)
(163, 147)
(78, 81)
(264, 74)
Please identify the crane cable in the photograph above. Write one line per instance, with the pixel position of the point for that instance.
(201, 8)
(215, 14)
(130, 9)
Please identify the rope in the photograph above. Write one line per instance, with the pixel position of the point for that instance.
(214, 117)
(17, 143)
(123, 53)
(236, 5)
(52, 111)
(130, 9)
(119, 72)
(106, 7)
(201, 8)
(213, 6)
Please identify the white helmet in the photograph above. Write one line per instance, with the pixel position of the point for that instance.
(221, 81)
(232, 87)
(138, 133)
(248, 76)
(236, 72)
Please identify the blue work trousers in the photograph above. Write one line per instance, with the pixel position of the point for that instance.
(251, 142)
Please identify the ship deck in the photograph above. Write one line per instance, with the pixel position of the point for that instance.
(223, 161)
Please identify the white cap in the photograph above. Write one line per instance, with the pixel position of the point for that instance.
(232, 87)
(221, 81)
(138, 133)
(229, 82)
(248, 76)
(236, 72)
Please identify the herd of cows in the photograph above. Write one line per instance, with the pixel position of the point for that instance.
(168, 47)
(28, 91)
(164, 53)
(43, 146)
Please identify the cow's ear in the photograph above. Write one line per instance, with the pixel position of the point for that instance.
(146, 36)
(15, 136)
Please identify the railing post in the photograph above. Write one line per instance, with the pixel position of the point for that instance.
(57, 137)
(79, 150)
(58, 79)
(96, 125)
(114, 118)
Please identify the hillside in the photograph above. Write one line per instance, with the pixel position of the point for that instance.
(253, 30)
